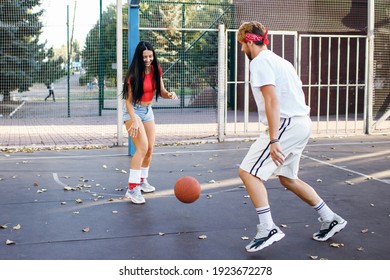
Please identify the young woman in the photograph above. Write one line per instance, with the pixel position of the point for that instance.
(143, 81)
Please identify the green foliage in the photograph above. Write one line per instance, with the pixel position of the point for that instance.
(101, 51)
(21, 55)
(182, 52)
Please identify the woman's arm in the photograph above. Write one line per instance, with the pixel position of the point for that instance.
(165, 93)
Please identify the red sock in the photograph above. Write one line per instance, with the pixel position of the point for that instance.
(132, 185)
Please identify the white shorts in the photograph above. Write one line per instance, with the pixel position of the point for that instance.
(293, 135)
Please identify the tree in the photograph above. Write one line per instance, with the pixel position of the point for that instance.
(49, 69)
(21, 54)
(104, 51)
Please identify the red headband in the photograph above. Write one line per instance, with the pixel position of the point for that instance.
(256, 38)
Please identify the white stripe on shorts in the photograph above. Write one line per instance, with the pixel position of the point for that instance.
(266, 153)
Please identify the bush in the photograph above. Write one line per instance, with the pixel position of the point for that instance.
(83, 80)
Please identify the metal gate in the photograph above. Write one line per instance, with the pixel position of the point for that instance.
(333, 72)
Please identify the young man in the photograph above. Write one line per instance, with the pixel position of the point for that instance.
(280, 100)
(51, 92)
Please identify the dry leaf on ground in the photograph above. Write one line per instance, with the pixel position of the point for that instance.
(18, 226)
(9, 242)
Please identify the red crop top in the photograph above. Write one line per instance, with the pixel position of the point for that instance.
(149, 85)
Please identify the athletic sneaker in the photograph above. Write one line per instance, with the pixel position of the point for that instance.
(146, 187)
(135, 195)
(329, 228)
(264, 237)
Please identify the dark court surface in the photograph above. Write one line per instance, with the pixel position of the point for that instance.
(91, 221)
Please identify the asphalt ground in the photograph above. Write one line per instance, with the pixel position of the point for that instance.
(94, 222)
(43, 221)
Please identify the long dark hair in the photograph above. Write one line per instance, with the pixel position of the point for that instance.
(136, 73)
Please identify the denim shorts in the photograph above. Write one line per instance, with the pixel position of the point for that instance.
(144, 113)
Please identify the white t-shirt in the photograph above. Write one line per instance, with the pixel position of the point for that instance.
(267, 68)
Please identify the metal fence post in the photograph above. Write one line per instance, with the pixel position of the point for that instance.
(119, 71)
(370, 67)
(133, 40)
(221, 82)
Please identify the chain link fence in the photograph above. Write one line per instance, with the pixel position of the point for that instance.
(68, 49)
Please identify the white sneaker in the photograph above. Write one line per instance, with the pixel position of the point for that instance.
(329, 228)
(264, 237)
(135, 195)
(146, 187)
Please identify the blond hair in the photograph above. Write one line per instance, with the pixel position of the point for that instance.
(254, 27)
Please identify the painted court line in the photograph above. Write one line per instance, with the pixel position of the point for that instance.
(348, 170)
(58, 181)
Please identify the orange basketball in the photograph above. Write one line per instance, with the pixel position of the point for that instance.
(187, 189)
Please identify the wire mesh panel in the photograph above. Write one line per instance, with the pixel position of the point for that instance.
(57, 68)
(58, 65)
(184, 35)
(333, 61)
(381, 104)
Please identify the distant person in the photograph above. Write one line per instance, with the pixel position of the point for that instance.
(142, 83)
(281, 104)
(95, 83)
(51, 92)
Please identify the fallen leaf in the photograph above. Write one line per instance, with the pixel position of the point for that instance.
(319, 180)
(104, 166)
(211, 181)
(245, 238)
(350, 183)
(283, 225)
(63, 203)
(161, 233)
(36, 184)
(372, 205)
(9, 242)
(336, 245)
(314, 257)
(364, 230)
(202, 236)
(79, 200)
(86, 229)
(3, 226)
(114, 212)
(209, 195)
(360, 249)
(18, 226)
